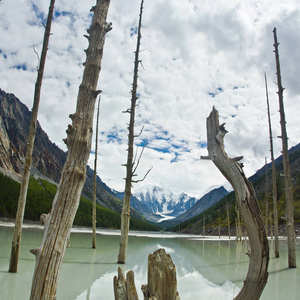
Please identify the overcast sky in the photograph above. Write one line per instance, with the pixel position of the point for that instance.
(195, 54)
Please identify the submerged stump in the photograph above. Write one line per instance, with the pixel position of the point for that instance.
(162, 282)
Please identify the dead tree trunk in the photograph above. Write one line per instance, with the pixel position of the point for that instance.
(266, 200)
(125, 215)
(273, 176)
(286, 165)
(162, 281)
(257, 275)
(228, 219)
(125, 289)
(95, 181)
(14, 257)
(50, 255)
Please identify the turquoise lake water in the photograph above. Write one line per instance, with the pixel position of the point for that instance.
(207, 268)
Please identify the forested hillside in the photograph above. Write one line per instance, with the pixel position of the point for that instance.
(39, 200)
(217, 215)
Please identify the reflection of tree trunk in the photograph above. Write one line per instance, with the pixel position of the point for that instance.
(286, 165)
(273, 176)
(13, 266)
(257, 275)
(50, 255)
(95, 182)
(92, 263)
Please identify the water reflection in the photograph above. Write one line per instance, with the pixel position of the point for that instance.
(211, 269)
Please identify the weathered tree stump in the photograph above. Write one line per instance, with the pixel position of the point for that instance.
(125, 289)
(162, 282)
(257, 275)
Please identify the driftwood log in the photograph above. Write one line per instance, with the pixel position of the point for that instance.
(257, 275)
(162, 282)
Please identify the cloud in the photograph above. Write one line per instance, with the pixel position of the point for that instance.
(194, 55)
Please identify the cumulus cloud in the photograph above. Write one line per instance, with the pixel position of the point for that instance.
(194, 55)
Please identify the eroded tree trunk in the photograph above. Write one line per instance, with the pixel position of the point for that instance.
(266, 200)
(125, 289)
(228, 219)
(125, 215)
(257, 275)
(290, 230)
(162, 281)
(16, 242)
(95, 181)
(50, 255)
(275, 213)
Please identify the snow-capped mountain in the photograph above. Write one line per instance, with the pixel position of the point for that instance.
(163, 201)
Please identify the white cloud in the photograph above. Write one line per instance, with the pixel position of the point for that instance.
(195, 55)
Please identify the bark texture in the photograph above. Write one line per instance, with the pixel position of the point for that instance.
(290, 230)
(257, 275)
(125, 215)
(274, 184)
(16, 242)
(125, 289)
(162, 281)
(50, 254)
(95, 181)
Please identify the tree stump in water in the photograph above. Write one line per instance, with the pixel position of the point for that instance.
(125, 289)
(162, 282)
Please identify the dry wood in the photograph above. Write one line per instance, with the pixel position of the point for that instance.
(257, 275)
(266, 200)
(162, 281)
(124, 289)
(16, 242)
(274, 185)
(95, 181)
(125, 215)
(50, 255)
(290, 230)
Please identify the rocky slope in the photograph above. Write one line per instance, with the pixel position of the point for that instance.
(48, 159)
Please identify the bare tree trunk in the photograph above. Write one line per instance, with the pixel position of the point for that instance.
(271, 226)
(266, 200)
(125, 216)
(273, 176)
(257, 275)
(124, 289)
(238, 223)
(228, 218)
(286, 165)
(50, 255)
(14, 257)
(203, 225)
(162, 281)
(95, 181)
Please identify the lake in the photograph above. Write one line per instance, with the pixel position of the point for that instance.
(207, 268)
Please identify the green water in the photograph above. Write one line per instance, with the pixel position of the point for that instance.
(206, 269)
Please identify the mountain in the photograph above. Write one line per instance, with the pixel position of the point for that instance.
(163, 202)
(48, 160)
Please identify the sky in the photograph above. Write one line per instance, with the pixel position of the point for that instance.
(195, 55)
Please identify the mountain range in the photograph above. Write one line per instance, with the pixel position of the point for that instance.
(156, 204)
(152, 202)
